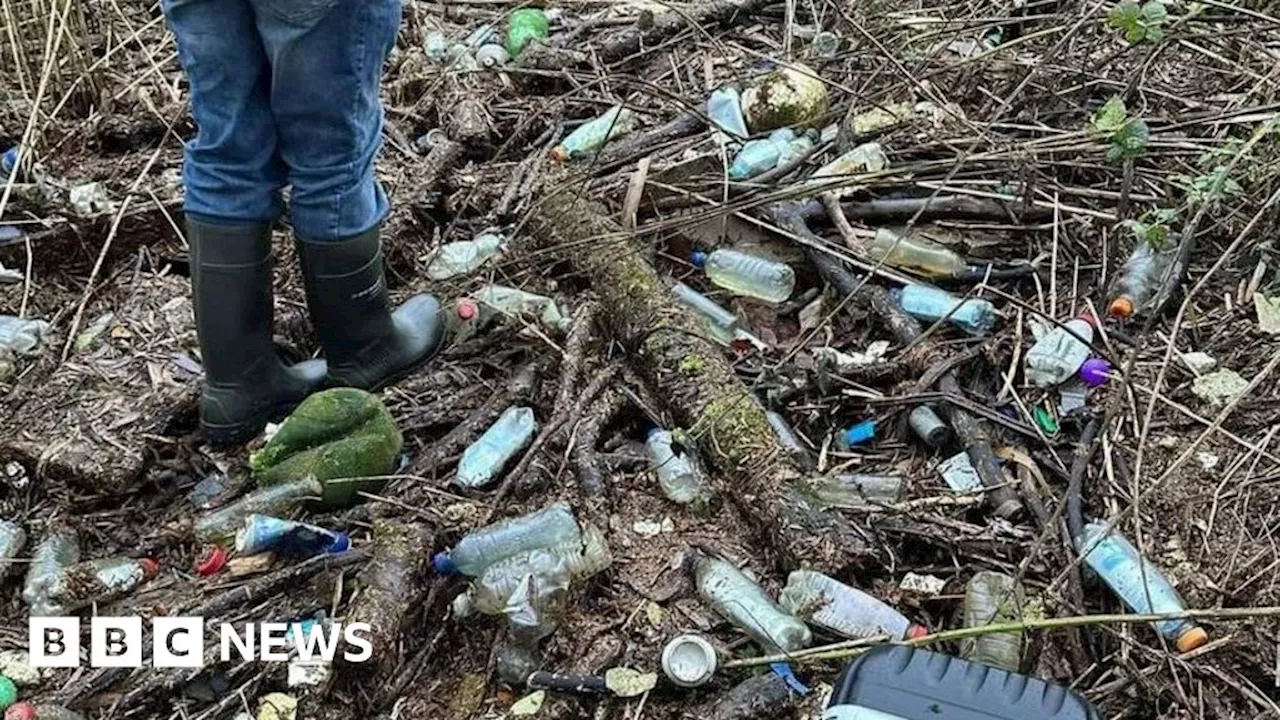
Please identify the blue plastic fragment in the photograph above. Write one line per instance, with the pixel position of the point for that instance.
(783, 670)
(858, 434)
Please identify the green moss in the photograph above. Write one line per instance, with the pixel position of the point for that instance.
(338, 436)
(693, 364)
(738, 426)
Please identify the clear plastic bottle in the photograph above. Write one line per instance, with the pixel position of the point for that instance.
(724, 108)
(834, 606)
(592, 135)
(511, 301)
(741, 601)
(856, 490)
(574, 560)
(721, 325)
(917, 253)
(1059, 354)
(484, 460)
(1124, 570)
(788, 439)
(12, 539)
(94, 581)
(1142, 278)
(548, 527)
(56, 550)
(930, 304)
(679, 475)
(750, 275)
(760, 156)
(992, 597)
(263, 533)
(220, 526)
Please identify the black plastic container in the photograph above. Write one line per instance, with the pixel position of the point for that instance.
(912, 684)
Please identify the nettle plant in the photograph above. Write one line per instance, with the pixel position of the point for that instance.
(1126, 136)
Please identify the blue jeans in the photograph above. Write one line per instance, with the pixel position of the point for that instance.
(285, 92)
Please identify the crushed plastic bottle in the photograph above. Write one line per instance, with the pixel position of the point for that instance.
(95, 581)
(741, 601)
(867, 157)
(830, 604)
(484, 460)
(523, 27)
(745, 274)
(916, 253)
(1143, 278)
(510, 301)
(930, 304)
(719, 322)
(1124, 570)
(856, 490)
(58, 549)
(220, 526)
(1060, 353)
(548, 527)
(576, 559)
(679, 474)
(724, 108)
(592, 135)
(990, 598)
(18, 338)
(263, 533)
(760, 156)
(788, 439)
(12, 540)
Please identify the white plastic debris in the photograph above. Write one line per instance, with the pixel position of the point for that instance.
(529, 704)
(874, 353)
(625, 682)
(1268, 313)
(307, 672)
(16, 665)
(89, 199)
(927, 585)
(1219, 388)
(1207, 460)
(1074, 394)
(959, 473)
(18, 338)
(10, 277)
(1199, 362)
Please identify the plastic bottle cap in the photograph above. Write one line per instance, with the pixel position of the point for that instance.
(860, 433)
(916, 631)
(211, 561)
(1192, 639)
(698, 258)
(1094, 372)
(466, 308)
(341, 543)
(443, 564)
(149, 567)
(1121, 307)
(689, 661)
(21, 711)
(8, 692)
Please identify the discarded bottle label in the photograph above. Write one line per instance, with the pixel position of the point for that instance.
(263, 533)
(959, 473)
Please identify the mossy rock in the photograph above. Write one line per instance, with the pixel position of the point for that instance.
(787, 97)
(341, 434)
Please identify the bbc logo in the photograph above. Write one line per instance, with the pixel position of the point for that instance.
(177, 642)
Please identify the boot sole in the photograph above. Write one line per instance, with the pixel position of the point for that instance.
(246, 430)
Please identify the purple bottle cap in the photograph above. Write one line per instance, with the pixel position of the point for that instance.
(1094, 371)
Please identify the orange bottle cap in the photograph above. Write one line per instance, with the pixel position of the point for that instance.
(1121, 307)
(1192, 639)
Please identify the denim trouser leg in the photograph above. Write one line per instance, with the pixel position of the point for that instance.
(326, 60)
(285, 91)
(232, 171)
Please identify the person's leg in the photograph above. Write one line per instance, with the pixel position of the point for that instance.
(326, 60)
(233, 177)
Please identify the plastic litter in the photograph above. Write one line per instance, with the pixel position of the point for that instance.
(830, 604)
(678, 472)
(1074, 395)
(1219, 387)
(89, 199)
(523, 27)
(959, 473)
(9, 162)
(12, 540)
(485, 459)
(1138, 582)
(1060, 353)
(1199, 362)
(720, 324)
(510, 301)
(930, 304)
(1140, 280)
(1268, 310)
(867, 157)
(277, 706)
(551, 526)
(689, 661)
(858, 434)
(220, 526)
(741, 601)
(593, 135)
(992, 597)
(898, 683)
(760, 156)
(94, 581)
(916, 253)
(263, 533)
(18, 338)
(1095, 372)
(856, 490)
(16, 665)
(211, 561)
(927, 426)
(57, 550)
(1045, 419)
(724, 109)
(745, 274)
(459, 258)
(436, 45)
(492, 55)
(8, 692)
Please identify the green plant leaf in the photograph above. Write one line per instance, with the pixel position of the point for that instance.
(1125, 16)
(1111, 116)
(1154, 12)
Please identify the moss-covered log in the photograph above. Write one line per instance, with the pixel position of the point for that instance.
(391, 585)
(697, 384)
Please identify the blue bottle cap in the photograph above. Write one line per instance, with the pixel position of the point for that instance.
(443, 564)
(698, 258)
(341, 543)
(783, 670)
(860, 433)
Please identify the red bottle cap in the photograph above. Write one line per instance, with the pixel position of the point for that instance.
(149, 567)
(20, 711)
(916, 631)
(1121, 307)
(211, 561)
(466, 308)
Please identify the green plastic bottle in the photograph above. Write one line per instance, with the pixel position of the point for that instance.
(525, 25)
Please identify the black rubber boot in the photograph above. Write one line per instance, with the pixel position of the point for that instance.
(246, 384)
(367, 346)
